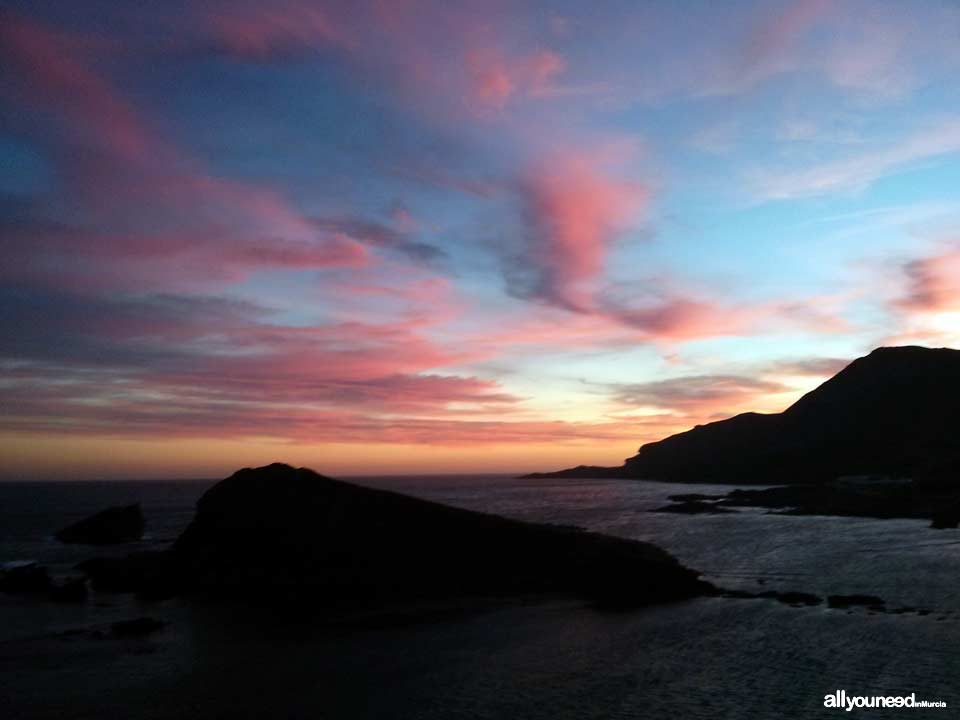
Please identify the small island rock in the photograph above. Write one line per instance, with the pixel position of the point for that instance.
(111, 526)
(282, 533)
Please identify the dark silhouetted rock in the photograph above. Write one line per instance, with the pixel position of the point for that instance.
(73, 590)
(694, 507)
(947, 516)
(881, 500)
(279, 533)
(580, 471)
(845, 601)
(794, 598)
(892, 413)
(113, 525)
(30, 578)
(738, 594)
(151, 574)
(136, 628)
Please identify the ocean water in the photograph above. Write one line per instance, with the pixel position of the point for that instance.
(706, 658)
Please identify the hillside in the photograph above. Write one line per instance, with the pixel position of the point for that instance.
(893, 412)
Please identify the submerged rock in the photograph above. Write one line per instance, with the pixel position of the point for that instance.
(795, 598)
(845, 601)
(875, 500)
(150, 574)
(111, 526)
(694, 507)
(279, 532)
(947, 517)
(73, 590)
(137, 627)
(28, 578)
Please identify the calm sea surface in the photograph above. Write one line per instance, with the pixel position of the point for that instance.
(710, 658)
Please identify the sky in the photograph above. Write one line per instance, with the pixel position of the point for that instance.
(426, 237)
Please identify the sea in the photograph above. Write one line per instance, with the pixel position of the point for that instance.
(555, 659)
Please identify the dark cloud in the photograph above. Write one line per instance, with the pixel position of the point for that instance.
(815, 367)
(168, 363)
(695, 392)
(383, 236)
(52, 326)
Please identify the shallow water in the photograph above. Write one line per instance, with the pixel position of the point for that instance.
(711, 658)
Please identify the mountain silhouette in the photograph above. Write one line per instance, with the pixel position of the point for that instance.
(894, 413)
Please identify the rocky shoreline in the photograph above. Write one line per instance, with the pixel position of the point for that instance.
(880, 500)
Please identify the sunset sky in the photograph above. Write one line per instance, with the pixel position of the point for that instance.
(403, 236)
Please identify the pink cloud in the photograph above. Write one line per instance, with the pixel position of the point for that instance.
(259, 30)
(212, 368)
(170, 219)
(680, 318)
(220, 368)
(490, 80)
(495, 79)
(394, 409)
(485, 63)
(543, 68)
(701, 396)
(445, 59)
(933, 284)
(59, 82)
(169, 364)
(925, 307)
(669, 316)
(575, 205)
(140, 363)
(777, 33)
(190, 259)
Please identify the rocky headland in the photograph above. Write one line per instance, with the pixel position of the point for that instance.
(877, 440)
(112, 526)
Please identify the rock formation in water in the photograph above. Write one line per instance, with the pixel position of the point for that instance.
(27, 578)
(111, 526)
(893, 413)
(149, 573)
(281, 533)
